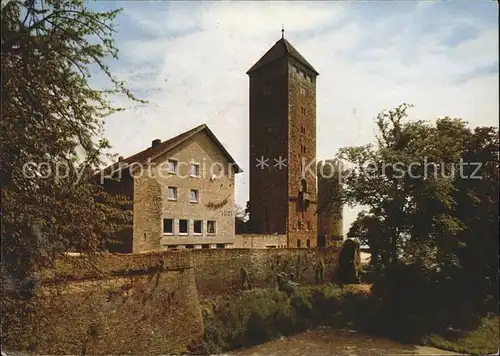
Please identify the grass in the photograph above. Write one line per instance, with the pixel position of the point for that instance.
(482, 341)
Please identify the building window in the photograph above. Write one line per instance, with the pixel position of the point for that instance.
(211, 228)
(194, 196)
(303, 129)
(195, 170)
(299, 243)
(172, 193)
(303, 149)
(303, 91)
(198, 227)
(183, 227)
(189, 246)
(308, 243)
(302, 110)
(168, 226)
(303, 185)
(205, 246)
(221, 246)
(172, 166)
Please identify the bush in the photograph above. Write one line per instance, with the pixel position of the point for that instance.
(262, 315)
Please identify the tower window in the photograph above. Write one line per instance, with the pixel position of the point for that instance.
(303, 91)
(183, 227)
(303, 149)
(303, 129)
(302, 110)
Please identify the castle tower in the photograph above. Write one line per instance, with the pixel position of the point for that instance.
(283, 127)
(330, 216)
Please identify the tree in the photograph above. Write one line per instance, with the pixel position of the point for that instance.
(241, 219)
(368, 228)
(52, 126)
(432, 197)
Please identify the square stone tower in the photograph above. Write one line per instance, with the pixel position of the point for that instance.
(283, 145)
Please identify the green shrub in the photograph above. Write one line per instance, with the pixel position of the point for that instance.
(261, 315)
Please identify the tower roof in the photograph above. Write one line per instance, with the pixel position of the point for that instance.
(281, 49)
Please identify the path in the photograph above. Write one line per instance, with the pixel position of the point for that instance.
(325, 341)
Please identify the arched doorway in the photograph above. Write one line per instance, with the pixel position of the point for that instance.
(308, 243)
(299, 243)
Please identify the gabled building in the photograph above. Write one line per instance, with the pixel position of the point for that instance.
(182, 193)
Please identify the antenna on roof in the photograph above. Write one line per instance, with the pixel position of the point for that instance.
(282, 31)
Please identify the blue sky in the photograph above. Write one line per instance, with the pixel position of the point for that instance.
(189, 60)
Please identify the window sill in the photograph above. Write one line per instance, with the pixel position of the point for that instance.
(171, 199)
(168, 234)
(194, 176)
(183, 233)
(194, 202)
(197, 233)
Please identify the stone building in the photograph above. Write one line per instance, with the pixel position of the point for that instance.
(330, 218)
(283, 145)
(182, 193)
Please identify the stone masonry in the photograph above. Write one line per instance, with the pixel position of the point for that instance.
(283, 127)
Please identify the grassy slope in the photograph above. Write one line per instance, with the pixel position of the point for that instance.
(482, 341)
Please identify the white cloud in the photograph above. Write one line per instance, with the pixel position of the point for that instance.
(192, 65)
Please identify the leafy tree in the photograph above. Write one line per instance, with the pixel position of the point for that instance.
(241, 219)
(368, 228)
(427, 211)
(52, 126)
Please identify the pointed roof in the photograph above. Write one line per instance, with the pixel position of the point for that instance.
(281, 49)
(165, 146)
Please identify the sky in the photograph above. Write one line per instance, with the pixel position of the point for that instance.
(189, 60)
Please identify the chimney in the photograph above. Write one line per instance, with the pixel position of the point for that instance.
(155, 142)
(120, 158)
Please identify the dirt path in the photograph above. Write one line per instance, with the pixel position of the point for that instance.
(325, 341)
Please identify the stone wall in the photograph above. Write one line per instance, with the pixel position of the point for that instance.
(146, 303)
(219, 271)
(260, 241)
(302, 218)
(137, 304)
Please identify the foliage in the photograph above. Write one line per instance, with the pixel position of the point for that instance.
(52, 125)
(482, 341)
(349, 262)
(241, 219)
(262, 315)
(431, 190)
